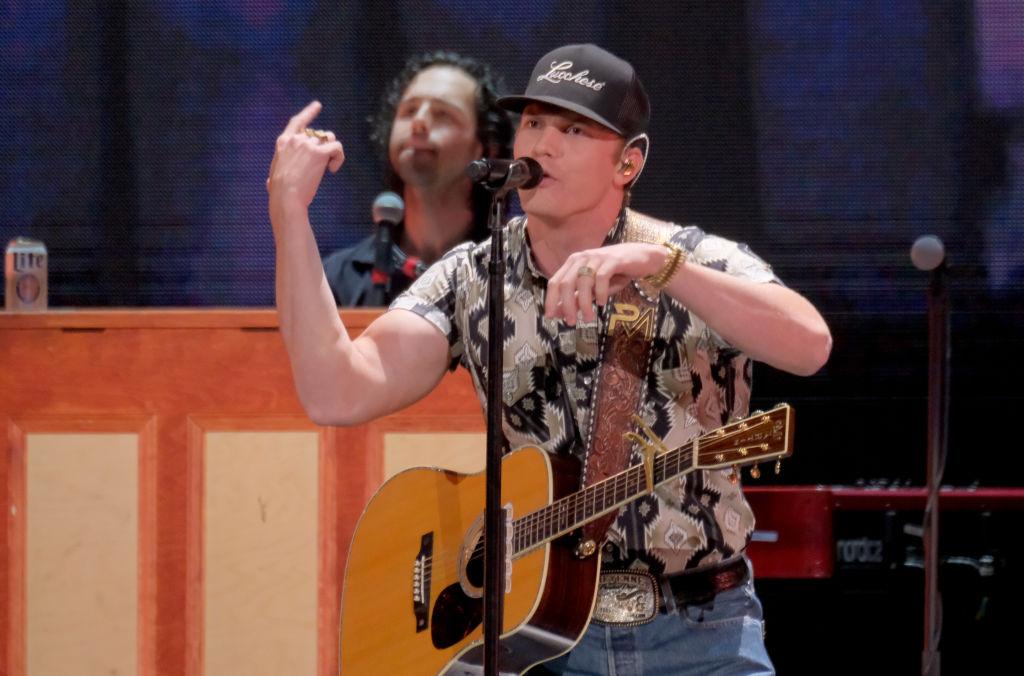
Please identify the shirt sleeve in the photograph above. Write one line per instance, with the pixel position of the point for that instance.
(733, 258)
(435, 296)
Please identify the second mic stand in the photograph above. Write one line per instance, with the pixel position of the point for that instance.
(383, 268)
(938, 416)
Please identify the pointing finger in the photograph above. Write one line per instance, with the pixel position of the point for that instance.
(301, 119)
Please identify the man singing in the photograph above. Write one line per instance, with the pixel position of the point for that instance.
(584, 116)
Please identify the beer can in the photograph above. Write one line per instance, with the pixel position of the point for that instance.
(25, 275)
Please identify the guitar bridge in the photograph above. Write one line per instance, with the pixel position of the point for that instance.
(421, 569)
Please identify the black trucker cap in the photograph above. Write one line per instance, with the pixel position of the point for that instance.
(590, 81)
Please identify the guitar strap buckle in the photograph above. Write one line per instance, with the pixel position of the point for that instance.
(627, 598)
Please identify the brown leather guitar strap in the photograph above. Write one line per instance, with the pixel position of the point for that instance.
(626, 338)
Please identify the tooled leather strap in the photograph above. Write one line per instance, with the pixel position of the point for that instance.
(622, 377)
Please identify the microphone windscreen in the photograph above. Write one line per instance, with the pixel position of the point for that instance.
(535, 171)
(479, 171)
(388, 208)
(927, 253)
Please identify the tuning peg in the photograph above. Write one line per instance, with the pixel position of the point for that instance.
(734, 476)
(778, 466)
(755, 472)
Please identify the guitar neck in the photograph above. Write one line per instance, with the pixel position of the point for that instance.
(578, 509)
(762, 436)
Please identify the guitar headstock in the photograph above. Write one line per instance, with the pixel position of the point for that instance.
(760, 437)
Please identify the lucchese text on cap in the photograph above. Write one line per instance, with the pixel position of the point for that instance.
(560, 72)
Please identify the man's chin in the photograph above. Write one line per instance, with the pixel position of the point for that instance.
(546, 213)
(539, 207)
(416, 161)
(421, 174)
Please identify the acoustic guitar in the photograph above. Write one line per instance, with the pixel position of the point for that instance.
(412, 601)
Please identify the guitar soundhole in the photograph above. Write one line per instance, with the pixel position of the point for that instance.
(455, 615)
(475, 571)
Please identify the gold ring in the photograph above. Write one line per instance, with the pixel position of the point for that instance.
(585, 271)
(317, 133)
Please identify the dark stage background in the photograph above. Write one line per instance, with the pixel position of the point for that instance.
(828, 135)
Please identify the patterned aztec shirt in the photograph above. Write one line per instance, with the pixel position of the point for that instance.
(696, 383)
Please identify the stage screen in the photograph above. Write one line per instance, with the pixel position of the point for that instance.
(826, 135)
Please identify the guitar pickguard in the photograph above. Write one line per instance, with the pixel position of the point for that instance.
(455, 616)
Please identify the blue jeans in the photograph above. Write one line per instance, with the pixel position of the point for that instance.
(724, 636)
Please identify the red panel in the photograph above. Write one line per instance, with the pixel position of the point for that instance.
(793, 536)
(914, 498)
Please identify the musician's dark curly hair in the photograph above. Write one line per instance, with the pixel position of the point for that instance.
(493, 124)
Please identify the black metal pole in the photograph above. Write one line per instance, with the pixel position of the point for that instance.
(494, 521)
(381, 275)
(928, 253)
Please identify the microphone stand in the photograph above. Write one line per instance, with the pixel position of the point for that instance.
(938, 409)
(382, 265)
(499, 177)
(494, 522)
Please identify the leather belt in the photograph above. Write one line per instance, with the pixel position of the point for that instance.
(629, 598)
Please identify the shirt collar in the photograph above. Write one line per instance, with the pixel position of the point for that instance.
(521, 234)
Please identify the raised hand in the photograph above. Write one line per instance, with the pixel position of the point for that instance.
(301, 156)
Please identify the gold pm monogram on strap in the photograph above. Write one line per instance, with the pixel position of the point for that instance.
(632, 316)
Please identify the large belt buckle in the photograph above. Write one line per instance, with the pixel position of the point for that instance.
(627, 598)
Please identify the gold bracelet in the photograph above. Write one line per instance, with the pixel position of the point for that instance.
(676, 258)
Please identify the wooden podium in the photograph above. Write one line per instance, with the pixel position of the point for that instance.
(171, 509)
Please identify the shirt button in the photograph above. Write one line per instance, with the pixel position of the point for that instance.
(586, 380)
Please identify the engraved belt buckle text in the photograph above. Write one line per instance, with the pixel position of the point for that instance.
(627, 598)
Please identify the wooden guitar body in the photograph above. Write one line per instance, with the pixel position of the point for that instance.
(412, 600)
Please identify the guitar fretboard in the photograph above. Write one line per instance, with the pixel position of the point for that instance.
(760, 437)
(565, 515)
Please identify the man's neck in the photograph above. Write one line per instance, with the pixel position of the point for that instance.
(552, 242)
(435, 221)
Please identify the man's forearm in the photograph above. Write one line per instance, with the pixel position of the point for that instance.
(317, 342)
(769, 322)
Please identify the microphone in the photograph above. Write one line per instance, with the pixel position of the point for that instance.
(524, 172)
(388, 210)
(928, 253)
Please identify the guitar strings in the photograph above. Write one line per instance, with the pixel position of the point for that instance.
(551, 520)
(546, 522)
(543, 523)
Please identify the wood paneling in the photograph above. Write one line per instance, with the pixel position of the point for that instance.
(174, 377)
(464, 452)
(260, 553)
(82, 567)
(13, 565)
